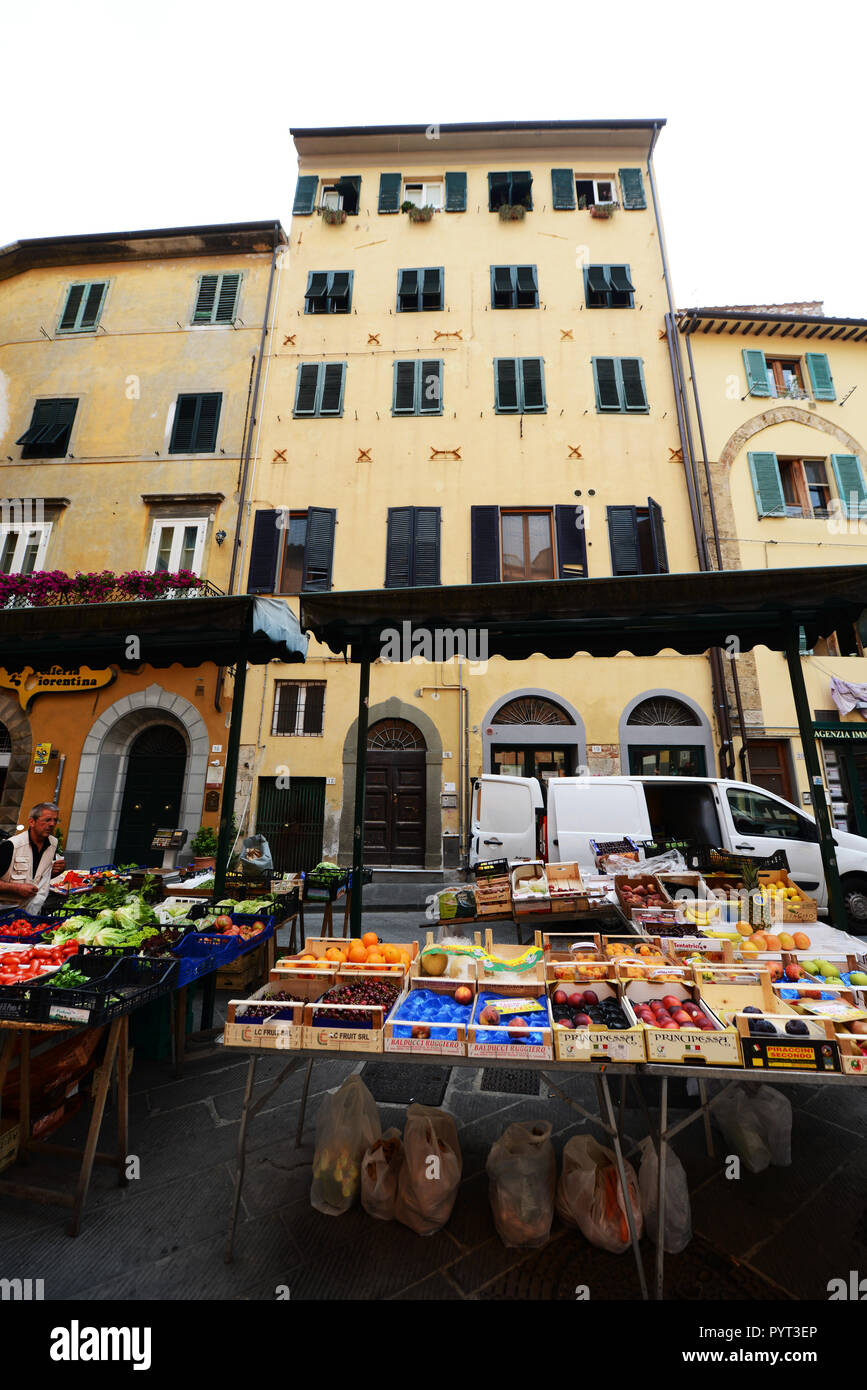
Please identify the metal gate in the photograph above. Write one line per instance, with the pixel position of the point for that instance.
(292, 821)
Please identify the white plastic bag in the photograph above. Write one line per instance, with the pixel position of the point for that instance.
(757, 1126)
(522, 1170)
(346, 1127)
(380, 1168)
(589, 1195)
(431, 1170)
(678, 1216)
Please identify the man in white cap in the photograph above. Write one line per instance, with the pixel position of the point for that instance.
(26, 861)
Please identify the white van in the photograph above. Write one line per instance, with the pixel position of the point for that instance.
(509, 822)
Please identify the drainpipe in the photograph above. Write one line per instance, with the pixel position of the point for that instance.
(60, 767)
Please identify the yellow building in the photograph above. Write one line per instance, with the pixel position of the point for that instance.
(129, 372)
(470, 382)
(779, 434)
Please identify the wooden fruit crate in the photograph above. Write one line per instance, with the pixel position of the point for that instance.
(720, 1048)
(435, 1042)
(242, 971)
(524, 901)
(806, 911)
(566, 888)
(281, 1034)
(595, 1043)
(10, 1135)
(325, 1037)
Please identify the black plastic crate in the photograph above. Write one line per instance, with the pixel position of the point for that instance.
(707, 859)
(601, 848)
(491, 868)
(115, 986)
(664, 846)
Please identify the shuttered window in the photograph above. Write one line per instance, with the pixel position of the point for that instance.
(389, 193)
(636, 536)
(305, 195)
(412, 551)
(536, 543)
(820, 376)
(418, 290)
(514, 287)
(608, 287)
(510, 189)
(292, 552)
(563, 188)
(619, 384)
(632, 189)
(299, 708)
(767, 484)
(456, 192)
(217, 298)
(519, 385)
(319, 389)
(83, 307)
(418, 388)
(850, 484)
(47, 436)
(328, 292)
(757, 372)
(195, 425)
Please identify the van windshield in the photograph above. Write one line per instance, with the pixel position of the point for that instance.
(683, 812)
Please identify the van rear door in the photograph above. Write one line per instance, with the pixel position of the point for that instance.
(598, 808)
(504, 818)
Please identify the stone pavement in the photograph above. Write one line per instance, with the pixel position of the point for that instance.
(781, 1234)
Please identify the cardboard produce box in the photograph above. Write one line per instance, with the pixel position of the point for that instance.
(530, 888)
(429, 1035)
(278, 1024)
(505, 1039)
(719, 1046)
(596, 1042)
(566, 888)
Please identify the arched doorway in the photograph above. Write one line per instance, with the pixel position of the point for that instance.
(152, 794)
(533, 733)
(665, 734)
(394, 807)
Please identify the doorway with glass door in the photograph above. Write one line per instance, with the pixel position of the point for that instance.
(552, 760)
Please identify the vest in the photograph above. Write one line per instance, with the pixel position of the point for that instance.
(21, 871)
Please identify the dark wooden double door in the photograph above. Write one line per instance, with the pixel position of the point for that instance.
(394, 808)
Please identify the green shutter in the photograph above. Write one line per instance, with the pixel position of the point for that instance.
(92, 305)
(632, 189)
(634, 397)
(456, 192)
(389, 192)
(605, 378)
(533, 382)
(757, 372)
(305, 195)
(850, 483)
(205, 298)
(499, 189)
(820, 376)
(657, 536)
(403, 402)
(332, 389)
(186, 413)
(505, 383)
(227, 298)
(430, 394)
(426, 546)
(208, 418)
(319, 549)
(563, 188)
(305, 394)
(398, 547)
(623, 540)
(73, 304)
(767, 484)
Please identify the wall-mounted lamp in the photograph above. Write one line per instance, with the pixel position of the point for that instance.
(220, 537)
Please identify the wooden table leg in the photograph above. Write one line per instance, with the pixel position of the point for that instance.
(301, 920)
(328, 920)
(123, 1100)
(95, 1125)
(24, 1098)
(6, 1055)
(303, 1110)
(180, 1029)
(346, 911)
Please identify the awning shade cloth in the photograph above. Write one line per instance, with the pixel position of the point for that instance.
(187, 631)
(641, 614)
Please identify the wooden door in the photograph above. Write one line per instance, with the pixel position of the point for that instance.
(395, 799)
(769, 766)
(152, 794)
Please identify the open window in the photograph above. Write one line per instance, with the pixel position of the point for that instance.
(342, 194)
(512, 189)
(591, 193)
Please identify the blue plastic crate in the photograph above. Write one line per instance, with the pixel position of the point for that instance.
(246, 919)
(13, 916)
(196, 956)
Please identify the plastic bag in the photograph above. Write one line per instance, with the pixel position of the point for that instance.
(431, 1170)
(589, 1195)
(523, 1176)
(757, 1126)
(379, 1173)
(256, 862)
(678, 1216)
(346, 1127)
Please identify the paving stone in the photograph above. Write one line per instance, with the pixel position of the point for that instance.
(471, 1222)
(171, 1095)
(368, 1259)
(271, 1182)
(435, 1289)
(842, 1106)
(326, 1076)
(483, 1264)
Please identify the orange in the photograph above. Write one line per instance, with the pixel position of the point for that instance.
(313, 958)
(405, 957)
(333, 953)
(370, 938)
(391, 954)
(759, 940)
(357, 953)
(374, 958)
(353, 941)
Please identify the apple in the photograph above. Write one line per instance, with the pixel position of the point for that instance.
(559, 996)
(489, 1017)
(582, 1020)
(590, 997)
(576, 1000)
(420, 1030)
(463, 995)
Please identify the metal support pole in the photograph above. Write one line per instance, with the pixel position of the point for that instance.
(606, 1110)
(231, 773)
(836, 904)
(660, 1192)
(360, 785)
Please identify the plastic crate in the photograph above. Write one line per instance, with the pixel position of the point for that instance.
(491, 868)
(707, 859)
(13, 916)
(325, 888)
(246, 919)
(601, 848)
(664, 846)
(116, 987)
(196, 956)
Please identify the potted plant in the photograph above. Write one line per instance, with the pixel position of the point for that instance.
(421, 214)
(407, 205)
(582, 202)
(204, 847)
(333, 216)
(512, 212)
(602, 209)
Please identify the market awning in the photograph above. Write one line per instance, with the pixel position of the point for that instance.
(188, 631)
(642, 614)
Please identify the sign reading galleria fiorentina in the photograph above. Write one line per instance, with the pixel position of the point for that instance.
(59, 680)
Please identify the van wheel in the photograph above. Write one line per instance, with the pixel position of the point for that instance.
(855, 900)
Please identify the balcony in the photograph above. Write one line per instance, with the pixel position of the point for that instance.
(52, 588)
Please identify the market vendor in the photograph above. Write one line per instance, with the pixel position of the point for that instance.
(27, 859)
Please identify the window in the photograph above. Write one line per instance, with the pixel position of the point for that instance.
(320, 388)
(328, 292)
(510, 190)
(805, 487)
(217, 298)
(23, 547)
(566, 188)
(292, 552)
(637, 539)
(534, 542)
(418, 388)
(784, 376)
(83, 306)
(754, 814)
(619, 384)
(424, 195)
(589, 192)
(341, 193)
(799, 487)
(412, 549)
(419, 289)
(519, 385)
(299, 708)
(514, 287)
(49, 431)
(177, 544)
(423, 192)
(608, 287)
(195, 425)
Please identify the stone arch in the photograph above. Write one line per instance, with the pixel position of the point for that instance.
(394, 708)
(102, 770)
(777, 415)
(699, 733)
(573, 733)
(21, 739)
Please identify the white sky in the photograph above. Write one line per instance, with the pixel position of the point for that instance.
(178, 112)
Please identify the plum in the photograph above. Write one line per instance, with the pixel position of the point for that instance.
(591, 997)
(796, 1025)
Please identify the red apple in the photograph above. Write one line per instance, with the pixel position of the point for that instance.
(576, 1000)
(420, 1030)
(590, 997)
(559, 996)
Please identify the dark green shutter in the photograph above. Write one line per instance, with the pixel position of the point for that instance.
(315, 295)
(286, 699)
(571, 543)
(597, 279)
(319, 549)
(485, 542)
(632, 189)
(264, 550)
(44, 414)
(633, 386)
(432, 288)
(92, 305)
(426, 546)
(305, 394)
(502, 287)
(498, 190)
(73, 303)
(205, 300)
(521, 188)
(534, 384)
(205, 437)
(186, 411)
(456, 192)
(506, 383)
(850, 483)
(757, 372)
(607, 394)
(305, 195)
(767, 484)
(398, 548)
(620, 281)
(820, 376)
(563, 188)
(527, 289)
(229, 285)
(332, 389)
(340, 292)
(349, 188)
(657, 536)
(389, 192)
(623, 539)
(404, 388)
(314, 704)
(430, 393)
